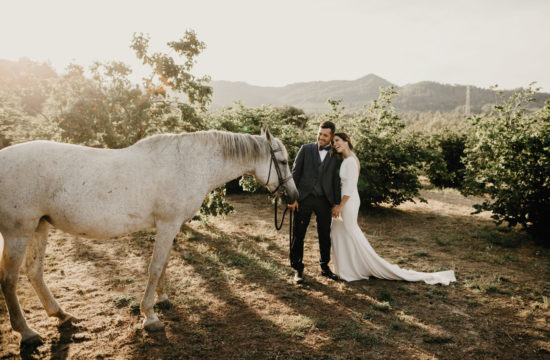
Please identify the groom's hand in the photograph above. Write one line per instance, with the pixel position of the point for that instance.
(294, 206)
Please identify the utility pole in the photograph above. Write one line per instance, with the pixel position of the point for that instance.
(467, 107)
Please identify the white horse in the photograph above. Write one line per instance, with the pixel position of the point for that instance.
(158, 182)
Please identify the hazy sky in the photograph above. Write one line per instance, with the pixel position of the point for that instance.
(275, 43)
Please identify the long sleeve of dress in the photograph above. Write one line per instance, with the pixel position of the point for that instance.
(349, 175)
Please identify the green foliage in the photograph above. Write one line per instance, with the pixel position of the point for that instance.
(390, 158)
(28, 81)
(508, 158)
(167, 74)
(445, 167)
(108, 110)
(215, 204)
(24, 89)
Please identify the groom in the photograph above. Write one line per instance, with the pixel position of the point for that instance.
(315, 174)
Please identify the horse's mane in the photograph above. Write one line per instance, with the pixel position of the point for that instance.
(244, 147)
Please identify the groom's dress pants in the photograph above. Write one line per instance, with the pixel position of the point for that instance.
(323, 212)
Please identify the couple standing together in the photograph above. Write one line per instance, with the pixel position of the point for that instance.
(326, 174)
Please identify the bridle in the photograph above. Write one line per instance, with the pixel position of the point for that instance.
(282, 180)
(277, 193)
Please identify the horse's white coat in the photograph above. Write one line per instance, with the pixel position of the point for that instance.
(99, 193)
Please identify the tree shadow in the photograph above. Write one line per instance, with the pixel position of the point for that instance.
(273, 281)
(442, 303)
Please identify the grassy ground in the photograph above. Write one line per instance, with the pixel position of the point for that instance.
(232, 296)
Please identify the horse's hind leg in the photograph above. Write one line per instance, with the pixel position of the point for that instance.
(34, 261)
(12, 257)
(161, 287)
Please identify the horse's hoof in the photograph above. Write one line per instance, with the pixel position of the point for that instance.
(162, 298)
(31, 338)
(153, 325)
(68, 318)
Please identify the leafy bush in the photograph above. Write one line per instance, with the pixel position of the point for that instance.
(390, 159)
(508, 158)
(445, 167)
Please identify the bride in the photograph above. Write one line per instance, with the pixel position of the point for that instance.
(353, 256)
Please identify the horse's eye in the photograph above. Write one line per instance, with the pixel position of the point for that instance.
(284, 162)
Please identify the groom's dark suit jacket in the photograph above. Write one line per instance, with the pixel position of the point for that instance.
(306, 173)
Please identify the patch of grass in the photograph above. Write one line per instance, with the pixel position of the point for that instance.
(258, 238)
(123, 300)
(273, 269)
(190, 235)
(506, 241)
(492, 289)
(421, 254)
(437, 338)
(438, 292)
(241, 260)
(134, 308)
(406, 239)
(473, 284)
(397, 325)
(385, 295)
(512, 257)
(369, 315)
(299, 326)
(164, 305)
(381, 306)
(352, 331)
(442, 241)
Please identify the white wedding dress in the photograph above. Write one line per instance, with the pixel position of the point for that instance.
(353, 256)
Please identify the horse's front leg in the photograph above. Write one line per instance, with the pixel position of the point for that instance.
(165, 236)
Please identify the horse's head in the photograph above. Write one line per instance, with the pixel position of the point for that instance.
(273, 171)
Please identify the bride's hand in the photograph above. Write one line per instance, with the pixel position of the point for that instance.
(336, 211)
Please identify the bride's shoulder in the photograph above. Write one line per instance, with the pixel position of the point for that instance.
(352, 163)
(350, 160)
(347, 163)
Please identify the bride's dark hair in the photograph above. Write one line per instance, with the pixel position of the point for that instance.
(346, 138)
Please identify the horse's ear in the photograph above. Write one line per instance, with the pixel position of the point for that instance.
(268, 135)
(262, 132)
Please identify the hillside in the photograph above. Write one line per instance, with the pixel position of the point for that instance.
(312, 96)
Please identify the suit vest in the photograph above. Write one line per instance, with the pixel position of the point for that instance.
(318, 189)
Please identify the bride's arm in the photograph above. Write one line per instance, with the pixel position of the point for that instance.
(346, 189)
(337, 210)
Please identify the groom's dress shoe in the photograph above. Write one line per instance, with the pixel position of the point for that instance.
(328, 273)
(298, 277)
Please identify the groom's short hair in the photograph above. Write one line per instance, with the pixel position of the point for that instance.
(327, 124)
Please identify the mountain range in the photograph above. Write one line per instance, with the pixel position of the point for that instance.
(312, 96)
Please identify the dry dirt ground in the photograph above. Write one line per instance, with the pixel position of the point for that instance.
(232, 296)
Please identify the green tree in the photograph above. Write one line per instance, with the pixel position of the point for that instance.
(445, 167)
(508, 158)
(390, 158)
(169, 75)
(109, 110)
